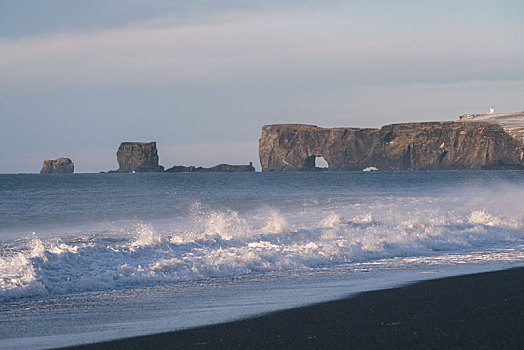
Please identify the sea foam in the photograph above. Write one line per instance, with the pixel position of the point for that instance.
(226, 243)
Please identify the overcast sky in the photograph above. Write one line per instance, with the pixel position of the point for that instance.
(202, 77)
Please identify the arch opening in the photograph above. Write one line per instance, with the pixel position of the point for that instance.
(320, 162)
(315, 163)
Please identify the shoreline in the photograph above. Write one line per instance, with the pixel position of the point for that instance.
(484, 310)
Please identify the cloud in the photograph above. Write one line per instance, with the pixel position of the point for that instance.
(24, 18)
(245, 47)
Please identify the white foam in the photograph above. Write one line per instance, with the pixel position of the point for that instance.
(145, 236)
(481, 217)
(276, 223)
(362, 219)
(226, 243)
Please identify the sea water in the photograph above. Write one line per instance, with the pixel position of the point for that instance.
(90, 257)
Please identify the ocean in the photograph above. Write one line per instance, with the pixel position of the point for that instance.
(90, 257)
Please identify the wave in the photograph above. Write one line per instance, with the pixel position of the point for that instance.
(225, 243)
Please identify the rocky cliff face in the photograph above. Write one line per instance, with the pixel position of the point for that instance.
(57, 166)
(138, 156)
(459, 144)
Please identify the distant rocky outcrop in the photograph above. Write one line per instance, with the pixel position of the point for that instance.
(464, 144)
(138, 156)
(217, 168)
(143, 157)
(58, 166)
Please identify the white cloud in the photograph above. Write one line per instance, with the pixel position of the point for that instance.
(249, 47)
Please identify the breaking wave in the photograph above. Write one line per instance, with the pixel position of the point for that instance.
(225, 243)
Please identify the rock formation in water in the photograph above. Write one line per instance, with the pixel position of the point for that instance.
(57, 166)
(217, 168)
(463, 144)
(143, 157)
(138, 156)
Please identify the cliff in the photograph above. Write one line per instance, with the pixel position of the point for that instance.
(512, 123)
(138, 156)
(462, 144)
(218, 168)
(57, 166)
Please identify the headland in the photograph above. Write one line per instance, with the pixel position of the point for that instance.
(482, 141)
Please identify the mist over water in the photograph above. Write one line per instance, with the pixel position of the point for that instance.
(62, 236)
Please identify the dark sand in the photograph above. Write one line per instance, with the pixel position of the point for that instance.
(480, 311)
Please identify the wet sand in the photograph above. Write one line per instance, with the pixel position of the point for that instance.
(479, 311)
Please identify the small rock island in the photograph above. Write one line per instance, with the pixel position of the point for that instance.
(58, 166)
(138, 157)
(221, 168)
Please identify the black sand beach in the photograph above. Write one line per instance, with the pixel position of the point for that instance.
(480, 311)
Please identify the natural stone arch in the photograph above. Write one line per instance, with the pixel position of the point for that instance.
(315, 162)
(321, 163)
(416, 146)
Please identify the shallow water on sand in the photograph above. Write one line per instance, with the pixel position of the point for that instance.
(86, 257)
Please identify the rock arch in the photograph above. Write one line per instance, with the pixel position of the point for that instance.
(406, 146)
(315, 162)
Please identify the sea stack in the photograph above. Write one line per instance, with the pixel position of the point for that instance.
(138, 156)
(58, 166)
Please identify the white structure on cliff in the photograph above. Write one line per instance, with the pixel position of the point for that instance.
(513, 123)
(491, 110)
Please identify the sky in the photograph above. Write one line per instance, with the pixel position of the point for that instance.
(77, 77)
